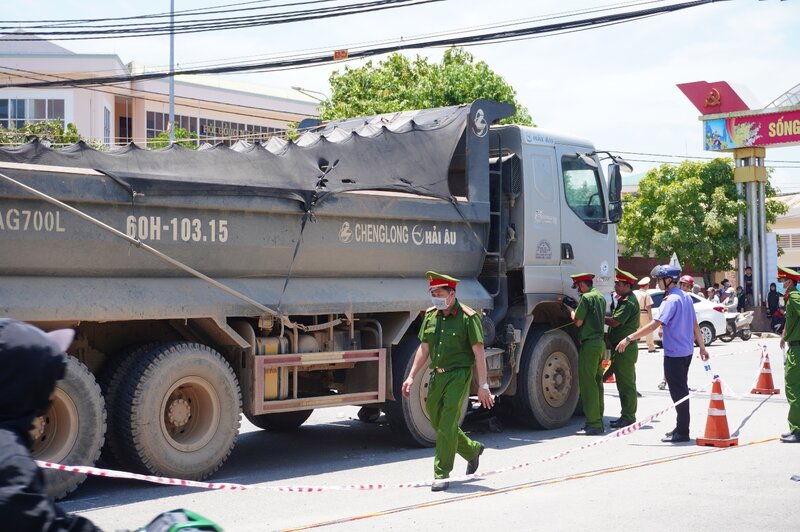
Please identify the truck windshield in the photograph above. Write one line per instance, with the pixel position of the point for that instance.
(582, 189)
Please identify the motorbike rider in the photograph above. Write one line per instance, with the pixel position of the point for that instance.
(686, 283)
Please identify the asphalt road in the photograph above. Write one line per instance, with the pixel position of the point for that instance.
(631, 483)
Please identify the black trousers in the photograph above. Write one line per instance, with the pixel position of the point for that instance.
(676, 371)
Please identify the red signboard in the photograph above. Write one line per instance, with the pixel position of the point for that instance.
(768, 129)
(713, 98)
(338, 55)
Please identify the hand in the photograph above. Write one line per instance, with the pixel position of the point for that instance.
(703, 354)
(783, 342)
(485, 397)
(407, 386)
(622, 345)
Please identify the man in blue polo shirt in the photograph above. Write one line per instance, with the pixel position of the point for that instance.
(681, 331)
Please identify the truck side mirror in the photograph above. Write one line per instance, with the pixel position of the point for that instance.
(614, 193)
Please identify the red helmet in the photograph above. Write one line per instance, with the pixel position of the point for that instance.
(688, 279)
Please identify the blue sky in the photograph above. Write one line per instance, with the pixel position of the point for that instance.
(614, 85)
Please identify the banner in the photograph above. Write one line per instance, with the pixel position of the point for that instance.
(767, 129)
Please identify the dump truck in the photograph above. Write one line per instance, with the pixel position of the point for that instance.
(273, 279)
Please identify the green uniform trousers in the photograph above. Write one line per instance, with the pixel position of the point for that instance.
(446, 396)
(791, 370)
(590, 380)
(624, 365)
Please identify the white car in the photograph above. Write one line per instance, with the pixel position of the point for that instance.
(710, 316)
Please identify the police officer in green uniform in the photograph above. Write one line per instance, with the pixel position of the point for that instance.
(791, 336)
(589, 318)
(624, 321)
(451, 336)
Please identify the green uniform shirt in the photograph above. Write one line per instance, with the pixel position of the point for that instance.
(627, 314)
(591, 309)
(792, 302)
(450, 338)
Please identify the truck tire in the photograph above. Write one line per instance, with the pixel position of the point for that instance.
(408, 416)
(178, 412)
(547, 383)
(279, 422)
(111, 379)
(72, 430)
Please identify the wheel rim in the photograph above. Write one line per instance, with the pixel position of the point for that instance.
(56, 431)
(190, 414)
(556, 379)
(707, 335)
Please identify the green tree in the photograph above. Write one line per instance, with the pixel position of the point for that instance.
(183, 137)
(399, 84)
(52, 132)
(690, 209)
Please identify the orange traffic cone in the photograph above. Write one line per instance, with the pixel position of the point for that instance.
(765, 386)
(717, 432)
(608, 375)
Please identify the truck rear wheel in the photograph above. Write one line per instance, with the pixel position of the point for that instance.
(279, 422)
(72, 430)
(111, 379)
(408, 416)
(178, 412)
(547, 383)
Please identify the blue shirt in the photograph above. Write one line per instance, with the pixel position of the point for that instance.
(678, 317)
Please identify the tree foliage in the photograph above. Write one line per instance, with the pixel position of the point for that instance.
(690, 209)
(52, 132)
(399, 84)
(183, 137)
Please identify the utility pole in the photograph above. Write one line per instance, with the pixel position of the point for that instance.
(171, 71)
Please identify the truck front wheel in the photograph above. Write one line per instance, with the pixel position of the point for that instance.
(72, 430)
(547, 383)
(178, 412)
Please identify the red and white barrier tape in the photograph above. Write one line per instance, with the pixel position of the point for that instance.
(110, 473)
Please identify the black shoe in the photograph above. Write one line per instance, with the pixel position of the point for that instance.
(674, 437)
(619, 423)
(792, 437)
(473, 464)
(787, 434)
(440, 484)
(590, 431)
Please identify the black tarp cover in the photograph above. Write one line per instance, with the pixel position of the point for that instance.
(406, 151)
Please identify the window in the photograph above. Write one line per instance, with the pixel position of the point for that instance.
(106, 126)
(582, 189)
(15, 113)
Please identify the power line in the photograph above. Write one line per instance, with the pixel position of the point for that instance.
(224, 23)
(328, 58)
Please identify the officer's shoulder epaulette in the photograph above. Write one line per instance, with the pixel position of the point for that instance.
(469, 311)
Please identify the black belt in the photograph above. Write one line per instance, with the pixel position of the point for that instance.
(794, 343)
(445, 370)
(592, 338)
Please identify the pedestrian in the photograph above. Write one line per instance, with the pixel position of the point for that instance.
(724, 291)
(696, 290)
(731, 302)
(623, 321)
(791, 336)
(748, 287)
(681, 330)
(30, 364)
(589, 318)
(451, 337)
(645, 310)
(686, 283)
(741, 299)
(773, 299)
(713, 297)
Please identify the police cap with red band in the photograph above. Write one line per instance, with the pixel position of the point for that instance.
(578, 277)
(437, 280)
(624, 277)
(788, 273)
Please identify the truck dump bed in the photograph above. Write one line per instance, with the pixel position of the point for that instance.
(380, 200)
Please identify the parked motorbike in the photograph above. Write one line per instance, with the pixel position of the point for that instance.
(778, 321)
(737, 324)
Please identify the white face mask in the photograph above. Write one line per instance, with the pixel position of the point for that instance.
(439, 302)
